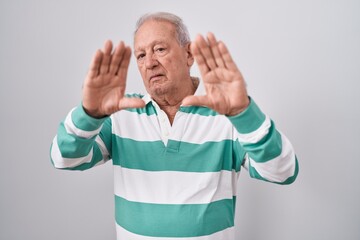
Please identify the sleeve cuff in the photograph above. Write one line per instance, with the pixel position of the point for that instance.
(249, 120)
(85, 122)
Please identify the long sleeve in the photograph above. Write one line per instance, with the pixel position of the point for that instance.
(81, 141)
(269, 154)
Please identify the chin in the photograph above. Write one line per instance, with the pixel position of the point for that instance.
(158, 89)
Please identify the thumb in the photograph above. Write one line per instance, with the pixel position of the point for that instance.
(196, 101)
(131, 103)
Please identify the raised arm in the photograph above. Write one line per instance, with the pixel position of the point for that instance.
(269, 154)
(83, 139)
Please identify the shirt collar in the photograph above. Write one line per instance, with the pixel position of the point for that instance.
(147, 98)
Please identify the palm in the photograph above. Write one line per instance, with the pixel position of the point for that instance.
(105, 84)
(224, 84)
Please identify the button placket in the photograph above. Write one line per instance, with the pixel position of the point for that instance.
(164, 126)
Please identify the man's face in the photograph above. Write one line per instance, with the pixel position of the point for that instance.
(162, 62)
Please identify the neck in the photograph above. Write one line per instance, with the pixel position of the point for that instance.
(170, 102)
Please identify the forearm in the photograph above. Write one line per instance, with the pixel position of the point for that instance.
(78, 145)
(269, 154)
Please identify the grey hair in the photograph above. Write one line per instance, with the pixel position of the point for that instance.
(182, 33)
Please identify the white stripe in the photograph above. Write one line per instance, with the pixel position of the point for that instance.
(171, 187)
(192, 128)
(280, 168)
(198, 129)
(61, 162)
(235, 178)
(139, 127)
(72, 129)
(256, 135)
(226, 234)
(103, 149)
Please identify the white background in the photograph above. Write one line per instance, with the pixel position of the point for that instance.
(301, 61)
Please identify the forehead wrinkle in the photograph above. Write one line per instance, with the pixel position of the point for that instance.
(162, 37)
(149, 45)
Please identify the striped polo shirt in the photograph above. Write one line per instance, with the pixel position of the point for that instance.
(176, 181)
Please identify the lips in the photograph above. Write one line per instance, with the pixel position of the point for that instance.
(157, 76)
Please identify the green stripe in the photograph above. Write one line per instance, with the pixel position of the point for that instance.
(254, 174)
(248, 120)
(149, 109)
(85, 122)
(239, 154)
(267, 148)
(134, 95)
(204, 111)
(72, 146)
(174, 220)
(154, 156)
(97, 157)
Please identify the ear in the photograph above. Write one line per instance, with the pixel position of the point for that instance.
(190, 57)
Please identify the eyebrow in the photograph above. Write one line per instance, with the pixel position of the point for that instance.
(155, 42)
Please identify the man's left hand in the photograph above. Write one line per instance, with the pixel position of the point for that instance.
(225, 87)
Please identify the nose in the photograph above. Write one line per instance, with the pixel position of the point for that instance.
(151, 61)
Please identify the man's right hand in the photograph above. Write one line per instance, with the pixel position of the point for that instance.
(105, 84)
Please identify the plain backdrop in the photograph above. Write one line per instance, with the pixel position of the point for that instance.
(301, 61)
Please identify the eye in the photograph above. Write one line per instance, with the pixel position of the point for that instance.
(140, 56)
(160, 49)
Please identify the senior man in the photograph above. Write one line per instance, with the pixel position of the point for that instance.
(176, 155)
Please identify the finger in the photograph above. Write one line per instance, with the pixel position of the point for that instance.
(117, 58)
(104, 68)
(203, 67)
(124, 63)
(95, 64)
(228, 61)
(131, 103)
(215, 50)
(206, 52)
(196, 101)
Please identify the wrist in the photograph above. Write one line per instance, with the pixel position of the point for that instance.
(240, 109)
(93, 113)
(249, 120)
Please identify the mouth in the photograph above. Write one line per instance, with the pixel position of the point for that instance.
(155, 77)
